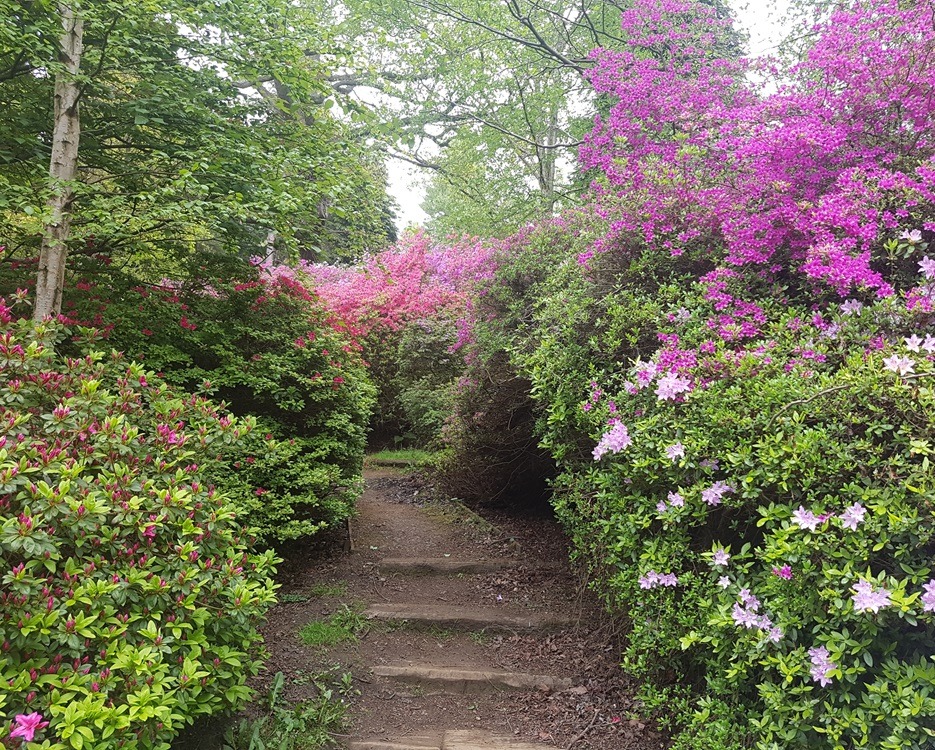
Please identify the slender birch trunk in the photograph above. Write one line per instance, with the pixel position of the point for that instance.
(62, 168)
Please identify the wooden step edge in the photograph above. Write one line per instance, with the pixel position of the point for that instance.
(462, 681)
(475, 739)
(415, 742)
(446, 565)
(466, 618)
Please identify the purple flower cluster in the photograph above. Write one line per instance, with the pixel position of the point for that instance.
(670, 386)
(616, 439)
(870, 599)
(675, 451)
(714, 494)
(652, 579)
(821, 665)
(746, 614)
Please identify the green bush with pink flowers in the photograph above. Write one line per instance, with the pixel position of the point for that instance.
(129, 598)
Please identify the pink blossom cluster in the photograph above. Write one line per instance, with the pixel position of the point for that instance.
(616, 439)
(868, 598)
(821, 665)
(416, 279)
(806, 176)
(746, 614)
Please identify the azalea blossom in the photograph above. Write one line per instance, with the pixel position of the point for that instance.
(675, 451)
(670, 386)
(899, 365)
(26, 726)
(785, 572)
(714, 494)
(929, 344)
(723, 582)
(851, 307)
(676, 500)
(652, 579)
(869, 599)
(821, 665)
(927, 267)
(721, 557)
(852, 516)
(928, 596)
(616, 439)
(913, 342)
(805, 519)
(912, 237)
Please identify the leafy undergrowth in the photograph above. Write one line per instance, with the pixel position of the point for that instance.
(307, 725)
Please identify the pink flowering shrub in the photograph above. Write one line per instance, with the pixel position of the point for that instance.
(808, 179)
(129, 599)
(268, 346)
(731, 351)
(411, 308)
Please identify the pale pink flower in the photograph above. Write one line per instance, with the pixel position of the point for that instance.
(821, 665)
(913, 342)
(927, 267)
(852, 516)
(899, 365)
(869, 599)
(805, 519)
(928, 596)
(675, 451)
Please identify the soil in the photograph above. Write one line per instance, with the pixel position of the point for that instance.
(399, 515)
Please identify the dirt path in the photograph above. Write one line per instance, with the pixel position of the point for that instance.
(475, 638)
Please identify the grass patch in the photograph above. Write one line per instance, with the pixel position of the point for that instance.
(401, 457)
(480, 637)
(332, 590)
(342, 627)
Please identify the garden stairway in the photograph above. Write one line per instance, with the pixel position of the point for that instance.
(467, 639)
(462, 680)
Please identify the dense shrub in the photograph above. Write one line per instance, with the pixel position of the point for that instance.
(730, 350)
(731, 357)
(267, 346)
(129, 600)
(411, 307)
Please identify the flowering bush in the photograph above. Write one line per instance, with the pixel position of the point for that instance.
(255, 336)
(731, 351)
(129, 600)
(411, 307)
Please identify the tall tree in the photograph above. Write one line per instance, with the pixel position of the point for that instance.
(66, 132)
(490, 97)
(175, 155)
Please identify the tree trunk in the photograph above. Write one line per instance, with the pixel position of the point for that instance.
(62, 168)
(548, 164)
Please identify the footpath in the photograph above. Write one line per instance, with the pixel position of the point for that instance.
(471, 635)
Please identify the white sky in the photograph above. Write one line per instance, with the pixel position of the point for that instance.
(759, 18)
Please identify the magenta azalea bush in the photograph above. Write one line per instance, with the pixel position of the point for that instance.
(731, 349)
(129, 598)
(411, 307)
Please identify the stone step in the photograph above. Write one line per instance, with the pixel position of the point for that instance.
(453, 739)
(415, 742)
(445, 565)
(460, 680)
(466, 618)
(474, 739)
